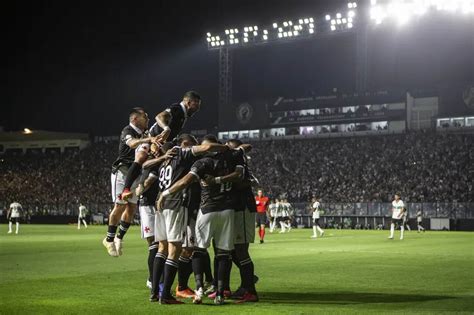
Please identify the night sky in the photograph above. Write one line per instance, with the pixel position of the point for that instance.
(80, 66)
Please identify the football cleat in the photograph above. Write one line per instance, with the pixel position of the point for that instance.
(185, 294)
(227, 294)
(238, 294)
(314, 236)
(154, 298)
(322, 233)
(149, 284)
(219, 300)
(248, 297)
(390, 237)
(110, 246)
(118, 246)
(170, 300)
(261, 241)
(198, 296)
(210, 290)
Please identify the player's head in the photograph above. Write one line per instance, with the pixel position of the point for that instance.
(192, 101)
(397, 196)
(186, 140)
(260, 193)
(277, 200)
(234, 143)
(139, 118)
(165, 147)
(209, 139)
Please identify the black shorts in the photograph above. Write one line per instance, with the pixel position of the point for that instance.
(14, 220)
(285, 218)
(399, 221)
(316, 222)
(261, 218)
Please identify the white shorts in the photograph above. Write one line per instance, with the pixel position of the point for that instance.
(244, 227)
(170, 225)
(147, 220)
(190, 238)
(118, 183)
(218, 226)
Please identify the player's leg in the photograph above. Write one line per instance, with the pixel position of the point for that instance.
(402, 229)
(320, 230)
(17, 222)
(315, 225)
(10, 225)
(134, 171)
(116, 179)
(392, 229)
(185, 266)
(147, 227)
(84, 222)
(160, 257)
(125, 222)
(78, 223)
(152, 250)
(204, 233)
(282, 225)
(209, 278)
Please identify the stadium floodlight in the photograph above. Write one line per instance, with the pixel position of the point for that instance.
(218, 38)
(311, 20)
(231, 41)
(354, 4)
(349, 25)
(290, 23)
(227, 32)
(222, 43)
(333, 22)
(255, 28)
(208, 40)
(311, 25)
(217, 44)
(208, 34)
(213, 44)
(255, 33)
(349, 20)
(275, 25)
(285, 24)
(265, 37)
(265, 32)
(338, 15)
(328, 17)
(311, 31)
(246, 40)
(290, 34)
(246, 35)
(280, 35)
(344, 21)
(296, 33)
(236, 40)
(236, 31)
(349, 5)
(338, 21)
(306, 21)
(333, 27)
(351, 14)
(300, 21)
(251, 28)
(246, 29)
(231, 31)
(285, 34)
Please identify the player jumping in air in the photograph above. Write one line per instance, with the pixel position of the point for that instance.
(398, 209)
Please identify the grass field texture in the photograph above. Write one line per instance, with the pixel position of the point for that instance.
(57, 269)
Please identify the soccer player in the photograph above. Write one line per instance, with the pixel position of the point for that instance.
(272, 209)
(287, 211)
(215, 219)
(81, 216)
(169, 124)
(171, 218)
(398, 208)
(405, 220)
(132, 136)
(419, 221)
(13, 215)
(261, 202)
(316, 208)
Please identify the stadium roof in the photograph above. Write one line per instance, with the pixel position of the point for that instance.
(40, 135)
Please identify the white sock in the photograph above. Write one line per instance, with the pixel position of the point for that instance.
(282, 225)
(320, 230)
(402, 229)
(85, 224)
(17, 227)
(272, 225)
(10, 226)
(408, 228)
(314, 231)
(78, 224)
(392, 229)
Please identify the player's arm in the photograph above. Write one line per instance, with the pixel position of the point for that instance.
(142, 187)
(246, 147)
(180, 185)
(157, 161)
(210, 147)
(133, 143)
(163, 120)
(402, 213)
(236, 176)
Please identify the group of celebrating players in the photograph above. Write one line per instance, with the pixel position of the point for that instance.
(190, 196)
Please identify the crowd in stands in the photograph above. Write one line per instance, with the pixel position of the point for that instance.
(424, 167)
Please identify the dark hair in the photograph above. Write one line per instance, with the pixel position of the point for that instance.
(168, 145)
(234, 142)
(188, 137)
(193, 95)
(136, 111)
(210, 138)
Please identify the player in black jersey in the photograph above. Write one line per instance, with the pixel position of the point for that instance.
(215, 219)
(244, 225)
(131, 137)
(147, 191)
(169, 124)
(171, 218)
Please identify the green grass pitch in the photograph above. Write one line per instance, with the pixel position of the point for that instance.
(52, 269)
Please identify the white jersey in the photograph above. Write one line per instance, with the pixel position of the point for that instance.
(419, 216)
(82, 211)
(15, 209)
(273, 208)
(397, 208)
(316, 208)
(278, 209)
(284, 209)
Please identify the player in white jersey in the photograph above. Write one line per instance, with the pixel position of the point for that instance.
(289, 212)
(419, 221)
(273, 209)
(316, 209)
(13, 215)
(405, 221)
(81, 216)
(398, 210)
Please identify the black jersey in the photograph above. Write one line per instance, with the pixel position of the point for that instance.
(178, 118)
(244, 188)
(193, 200)
(126, 155)
(173, 170)
(217, 197)
(149, 197)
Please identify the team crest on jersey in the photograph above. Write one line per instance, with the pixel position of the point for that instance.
(244, 113)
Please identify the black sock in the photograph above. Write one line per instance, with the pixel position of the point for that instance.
(132, 174)
(207, 267)
(152, 250)
(198, 263)
(223, 276)
(185, 269)
(158, 266)
(235, 260)
(246, 275)
(111, 233)
(216, 270)
(123, 228)
(171, 267)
